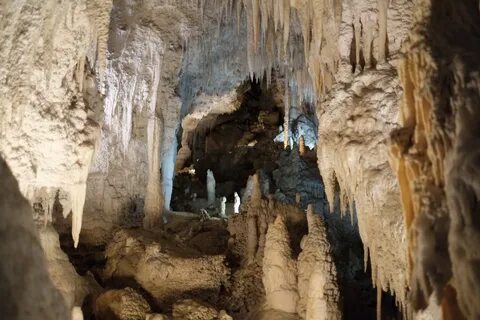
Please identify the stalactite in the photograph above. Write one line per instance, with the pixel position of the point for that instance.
(256, 24)
(379, 302)
(365, 257)
(382, 37)
(238, 11)
(286, 121)
(153, 196)
(431, 147)
(77, 313)
(286, 26)
(77, 196)
(168, 169)
(358, 36)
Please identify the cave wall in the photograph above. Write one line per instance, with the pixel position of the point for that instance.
(63, 103)
(349, 68)
(355, 119)
(26, 290)
(169, 52)
(142, 111)
(435, 155)
(53, 62)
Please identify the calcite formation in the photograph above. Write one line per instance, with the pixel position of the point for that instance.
(353, 161)
(192, 310)
(73, 287)
(435, 156)
(279, 269)
(123, 304)
(167, 277)
(101, 102)
(53, 72)
(223, 202)
(211, 187)
(237, 203)
(319, 295)
(27, 292)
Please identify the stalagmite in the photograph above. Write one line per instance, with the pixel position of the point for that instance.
(317, 275)
(256, 195)
(264, 219)
(301, 145)
(252, 219)
(211, 187)
(279, 269)
(317, 308)
(298, 198)
(223, 201)
(237, 203)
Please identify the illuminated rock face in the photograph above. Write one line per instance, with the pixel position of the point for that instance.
(51, 100)
(435, 156)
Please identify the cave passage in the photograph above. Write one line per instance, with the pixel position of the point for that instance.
(234, 147)
(239, 159)
(249, 141)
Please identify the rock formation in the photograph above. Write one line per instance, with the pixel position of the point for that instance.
(167, 277)
(104, 103)
(124, 304)
(26, 290)
(223, 202)
(279, 269)
(434, 156)
(319, 296)
(236, 203)
(211, 188)
(73, 287)
(301, 146)
(64, 115)
(77, 313)
(193, 310)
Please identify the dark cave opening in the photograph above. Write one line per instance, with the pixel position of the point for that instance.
(233, 146)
